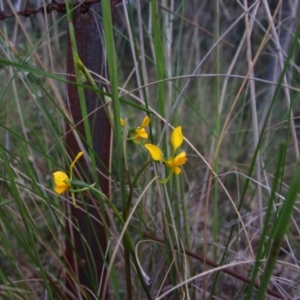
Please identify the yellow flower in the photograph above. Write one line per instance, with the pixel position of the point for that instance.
(155, 152)
(178, 160)
(175, 161)
(62, 180)
(140, 132)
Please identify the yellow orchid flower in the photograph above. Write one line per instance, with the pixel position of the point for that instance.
(140, 132)
(62, 180)
(176, 160)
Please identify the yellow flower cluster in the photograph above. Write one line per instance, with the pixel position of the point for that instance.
(63, 182)
(176, 160)
(138, 133)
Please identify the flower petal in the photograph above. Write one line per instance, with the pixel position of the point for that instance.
(76, 158)
(172, 165)
(122, 122)
(60, 189)
(154, 151)
(176, 170)
(145, 122)
(141, 133)
(60, 178)
(176, 138)
(180, 159)
(174, 162)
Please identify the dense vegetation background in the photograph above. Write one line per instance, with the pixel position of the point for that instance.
(227, 72)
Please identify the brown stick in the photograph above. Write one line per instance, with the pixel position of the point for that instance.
(86, 240)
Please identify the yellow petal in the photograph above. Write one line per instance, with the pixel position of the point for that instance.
(76, 158)
(145, 122)
(122, 122)
(176, 138)
(180, 159)
(176, 170)
(141, 133)
(60, 178)
(173, 163)
(60, 189)
(154, 151)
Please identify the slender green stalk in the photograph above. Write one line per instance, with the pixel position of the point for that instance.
(279, 231)
(216, 226)
(113, 75)
(263, 238)
(159, 58)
